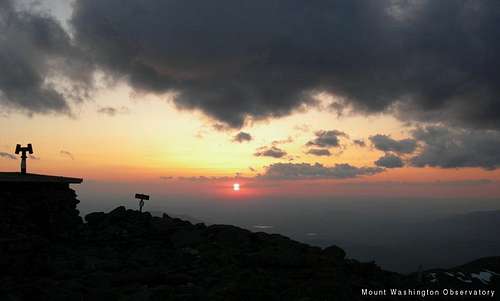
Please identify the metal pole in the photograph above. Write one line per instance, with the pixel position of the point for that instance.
(23, 163)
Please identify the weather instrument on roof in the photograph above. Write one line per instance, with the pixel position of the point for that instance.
(141, 197)
(23, 151)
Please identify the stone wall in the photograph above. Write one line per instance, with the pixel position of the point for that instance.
(45, 209)
(34, 216)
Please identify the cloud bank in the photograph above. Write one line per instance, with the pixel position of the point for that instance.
(319, 152)
(327, 139)
(386, 144)
(41, 70)
(272, 151)
(316, 171)
(234, 60)
(455, 148)
(389, 161)
(112, 111)
(242, 137)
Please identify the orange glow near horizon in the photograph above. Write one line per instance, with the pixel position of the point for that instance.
(152, 141)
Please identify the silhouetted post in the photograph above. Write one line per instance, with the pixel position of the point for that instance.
(23, 151)
(141, 197)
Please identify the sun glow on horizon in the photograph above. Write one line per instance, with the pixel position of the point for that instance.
(200, 150)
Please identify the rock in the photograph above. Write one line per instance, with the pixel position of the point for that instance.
(161, 293)
(129, 255)
(117, 214)
(334, 253)
(48, 210)
(177, 279)
(187, 237)
(229, 235)
(277, 257)
(95, 218)
(191, 251)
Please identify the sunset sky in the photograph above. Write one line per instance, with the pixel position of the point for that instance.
(353, 98)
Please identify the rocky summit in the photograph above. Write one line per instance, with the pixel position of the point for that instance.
(129, 255)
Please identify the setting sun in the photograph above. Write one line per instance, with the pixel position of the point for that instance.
(236, 187)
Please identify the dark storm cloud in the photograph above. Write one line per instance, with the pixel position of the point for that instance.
(338, 108)
(389, 161)
(317, 171)
(36, 55)
(272, 151)
(319, 152)
(422, 60)
(454, 148)
(327, 139)
(425, 60)
(7, 156)
(242, 137)
(386, 144)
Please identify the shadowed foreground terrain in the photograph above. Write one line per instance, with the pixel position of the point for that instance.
(48, 253)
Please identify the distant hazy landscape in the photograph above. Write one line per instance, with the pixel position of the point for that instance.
(399, 234)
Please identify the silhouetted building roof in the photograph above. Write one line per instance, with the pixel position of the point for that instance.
(16, 177)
